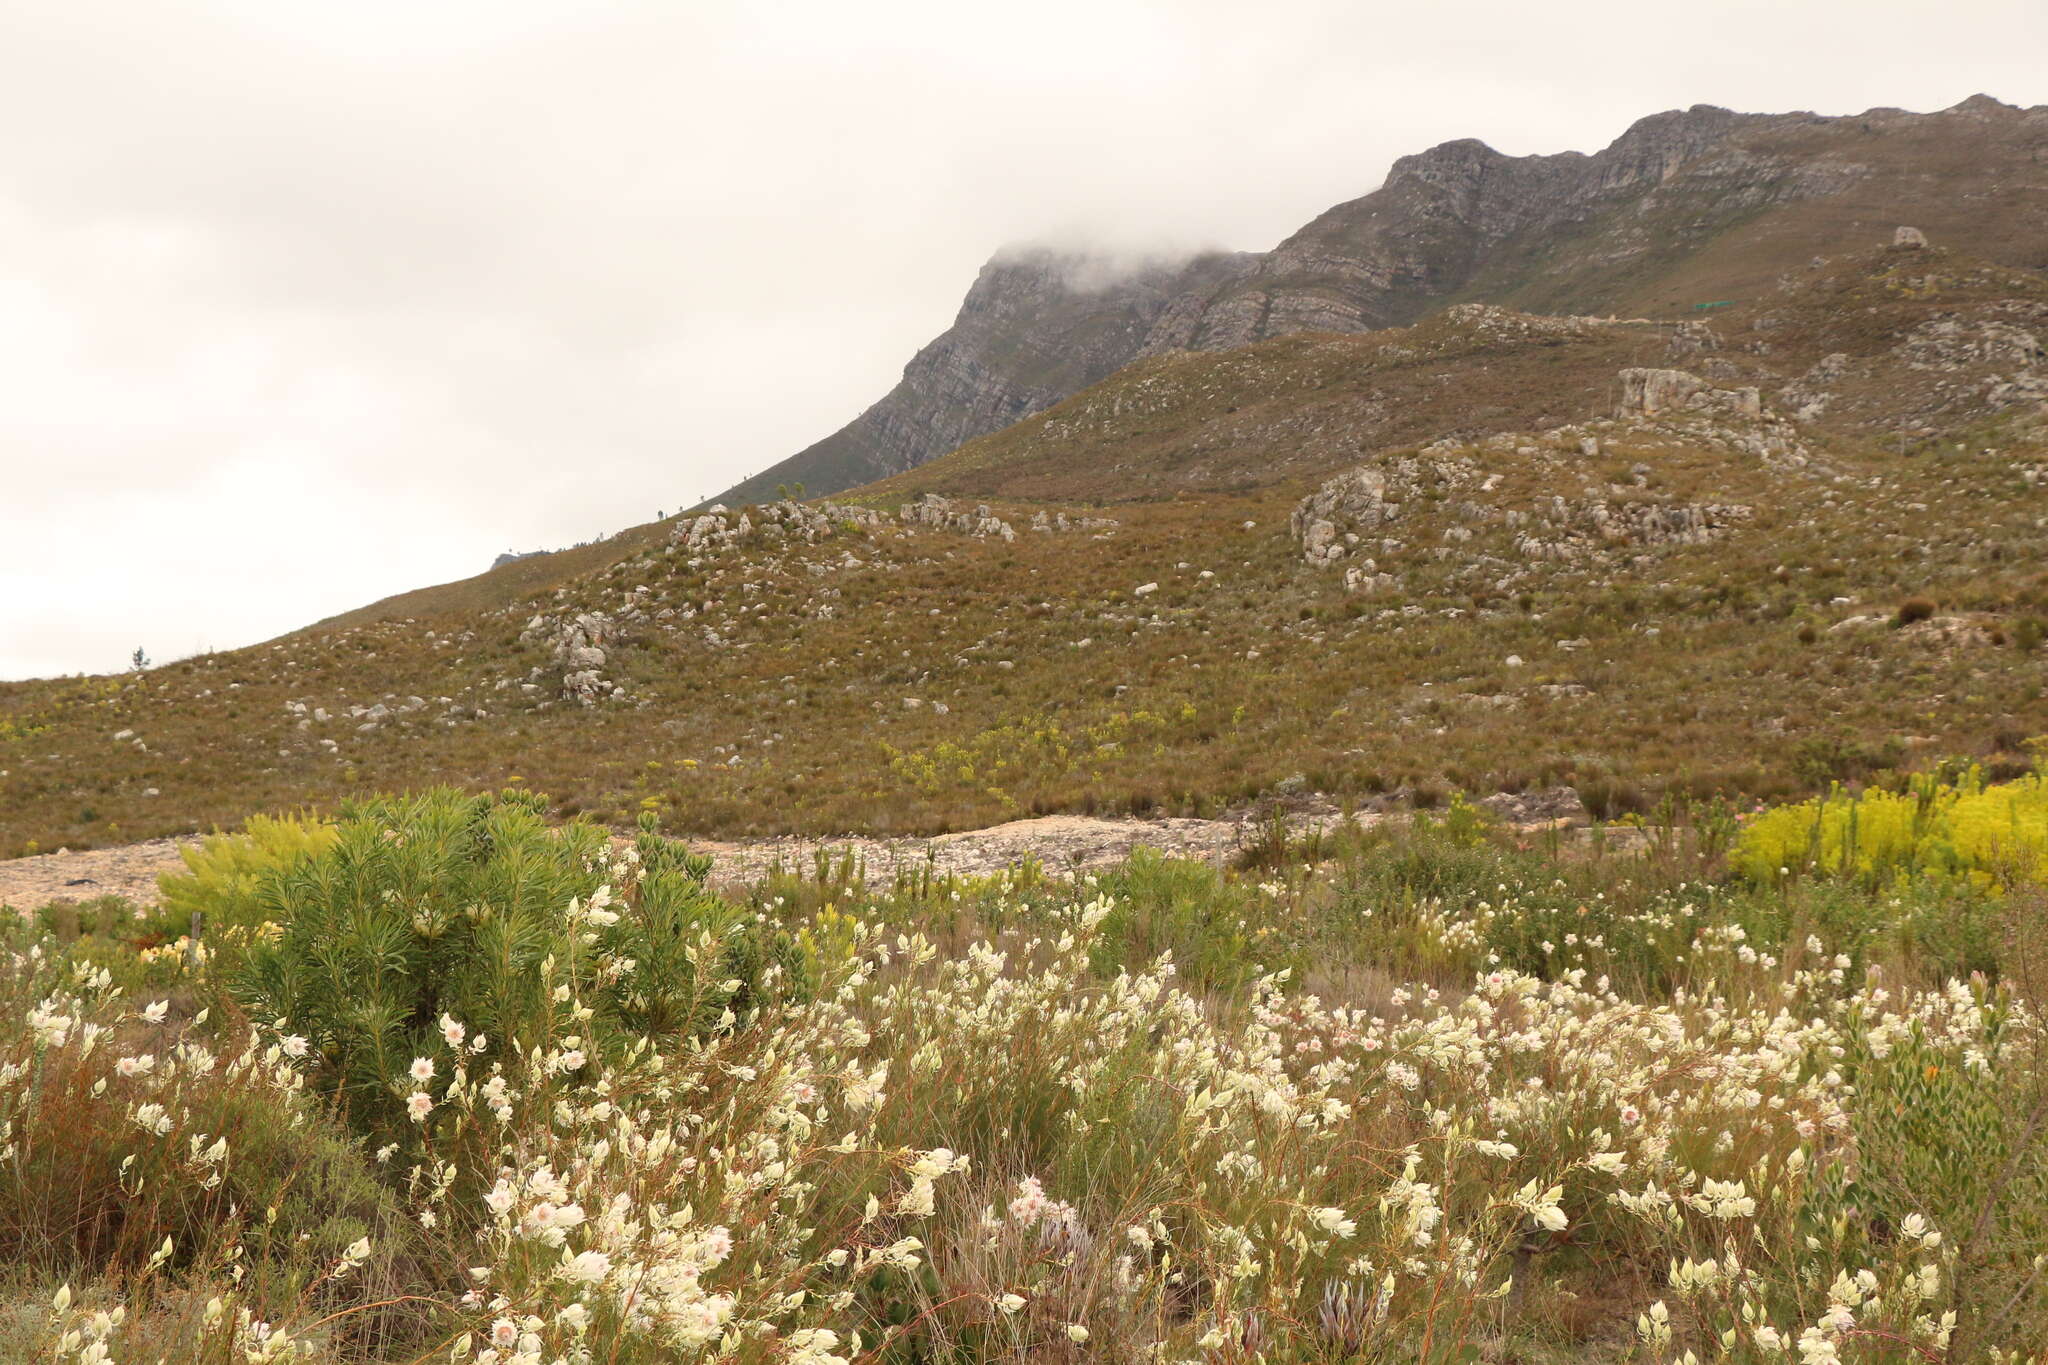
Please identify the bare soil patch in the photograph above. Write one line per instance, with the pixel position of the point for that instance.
(1058, 842)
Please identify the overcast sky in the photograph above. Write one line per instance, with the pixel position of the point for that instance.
(305, 302)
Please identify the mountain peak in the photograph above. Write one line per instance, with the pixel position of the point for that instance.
(1982, 104)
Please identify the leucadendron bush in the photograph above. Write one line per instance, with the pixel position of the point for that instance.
(1968, 830)
(435, 907)
(477, 1089)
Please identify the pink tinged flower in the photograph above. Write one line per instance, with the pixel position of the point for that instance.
(293, 1045)
(419, 1105)
(423, 1069)
(586, 1267)
(504, 1334)
(1030, 1200)
(451, 1032)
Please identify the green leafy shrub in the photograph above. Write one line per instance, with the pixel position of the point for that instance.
(539, 941)
(1958, 1133)
(1193, 911)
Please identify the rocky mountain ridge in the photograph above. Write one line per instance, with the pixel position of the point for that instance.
(1685, 206)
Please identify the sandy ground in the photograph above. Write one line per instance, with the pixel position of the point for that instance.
(130, 871)
(1058, 842)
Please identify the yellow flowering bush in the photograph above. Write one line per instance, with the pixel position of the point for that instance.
(1991, 834)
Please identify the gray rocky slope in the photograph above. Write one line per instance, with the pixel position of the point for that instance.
(1685, 206)
(1037, 326)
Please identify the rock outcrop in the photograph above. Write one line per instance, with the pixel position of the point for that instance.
(1648, 393)
(720, 528)
(1043, 520)
(1473, 502)
(576, 645)
(944, 514)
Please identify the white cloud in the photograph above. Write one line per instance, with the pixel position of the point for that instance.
(302, 303)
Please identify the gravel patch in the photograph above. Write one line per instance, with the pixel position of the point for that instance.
(1059, 843)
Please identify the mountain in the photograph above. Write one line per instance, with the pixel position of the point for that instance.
(1689, 206)
(1037, 326)
(1793, 540)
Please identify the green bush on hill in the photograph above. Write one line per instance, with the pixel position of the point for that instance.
(429, 910)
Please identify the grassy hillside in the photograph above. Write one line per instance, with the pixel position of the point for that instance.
(1282, 410)
(1867, 598)
(502, 586)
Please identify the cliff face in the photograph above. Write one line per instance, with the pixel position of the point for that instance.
(1037, 325)
(1385, 259)
(1686, 206)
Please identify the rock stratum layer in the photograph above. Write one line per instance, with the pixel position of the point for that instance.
(1690, 206)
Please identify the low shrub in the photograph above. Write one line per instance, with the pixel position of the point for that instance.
(1589, 1103)
(1218, 933)
(437, 920)
(1953, 1129)
(141, 1144)
(223, 871)
(1914, 609)
(1988, 835)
